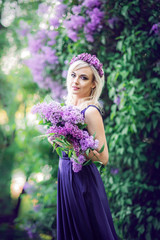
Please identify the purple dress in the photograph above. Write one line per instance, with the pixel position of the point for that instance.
(82, 207)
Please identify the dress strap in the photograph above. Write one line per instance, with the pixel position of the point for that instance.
(91, 105)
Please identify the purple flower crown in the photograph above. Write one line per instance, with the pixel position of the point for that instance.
(90, 59)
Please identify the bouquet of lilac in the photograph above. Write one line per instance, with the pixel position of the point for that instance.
(66, 126)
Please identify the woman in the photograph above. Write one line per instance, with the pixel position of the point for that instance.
(82, 207)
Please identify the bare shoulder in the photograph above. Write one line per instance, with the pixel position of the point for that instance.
(92, 114)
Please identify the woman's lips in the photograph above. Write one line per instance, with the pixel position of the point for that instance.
(75, 88)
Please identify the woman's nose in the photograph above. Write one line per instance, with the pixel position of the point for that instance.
(75, 80)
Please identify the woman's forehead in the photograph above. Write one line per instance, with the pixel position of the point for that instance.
(83, 70)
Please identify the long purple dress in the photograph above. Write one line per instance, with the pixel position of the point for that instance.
(82, 207)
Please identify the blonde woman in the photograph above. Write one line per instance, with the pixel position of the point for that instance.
(82, 207)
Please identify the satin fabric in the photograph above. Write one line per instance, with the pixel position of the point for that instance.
(82, 206)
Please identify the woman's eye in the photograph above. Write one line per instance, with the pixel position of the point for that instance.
(72, 75)
(84, 78)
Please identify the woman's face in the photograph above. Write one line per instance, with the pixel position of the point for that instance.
(80, 82)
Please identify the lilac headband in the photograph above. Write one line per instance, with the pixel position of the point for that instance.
(90, 59)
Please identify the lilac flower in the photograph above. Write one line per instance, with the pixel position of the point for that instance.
(112, 21)
(66, 121)
(66, 62)
(75, 22)
(60, 10)
(91, 3)
(76, 9)
(54, 22)
(114, 171)
(24, 28)
(96, 16)
(49, 55)
(156, 28)
(72, 35)
(64, 73)
(34, 44)
(29, 188)
(52, 34)
(76, 167)
(42, 8)
(29, 232)
(81, 159)
(41, 34)
(117, 100)
(95, 24)
(89, 38)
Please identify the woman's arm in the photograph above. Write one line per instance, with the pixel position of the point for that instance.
(95, 126)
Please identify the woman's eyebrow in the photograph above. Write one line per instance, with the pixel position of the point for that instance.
(83, 74)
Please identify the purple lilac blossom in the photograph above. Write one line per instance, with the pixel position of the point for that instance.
(114, 171)
(64, 73)
(49, 55)
(89, 38)
(54, 22)
(76, 9)
(75, 22)
(112, 21)
(29, 232)
(96, 17)
(60, 10)
(72, 35)
(91, 3)
(42, 8)
(24, 28)
(156, 28)
(66, 62)
(34, 44)
(117, 100)
(76, 167)
(64, 122)
(29, 188)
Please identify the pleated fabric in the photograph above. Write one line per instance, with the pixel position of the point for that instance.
(82, 206)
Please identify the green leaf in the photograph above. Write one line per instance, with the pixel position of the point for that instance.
(40, 122)
(59, 151)
(87, 162)
(88, 151)
(48, 99)
(102, 148)
(94, 135)
(70, 153)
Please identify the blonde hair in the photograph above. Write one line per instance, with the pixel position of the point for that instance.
(96, 92)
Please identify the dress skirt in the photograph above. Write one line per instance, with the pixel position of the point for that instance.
(82, 206)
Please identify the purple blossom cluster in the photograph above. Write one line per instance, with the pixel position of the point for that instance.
(91, 59)
(44, 59)
(91, 23)
(156, 29)
(24, 28)
(112, 21)
(117, 100)
(67, 121)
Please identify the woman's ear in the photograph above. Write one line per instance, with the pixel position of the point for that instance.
(93, 84)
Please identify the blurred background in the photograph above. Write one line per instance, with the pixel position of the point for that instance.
(37, 41)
